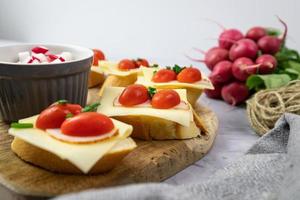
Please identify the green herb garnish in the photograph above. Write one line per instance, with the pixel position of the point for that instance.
(21, 125)
(154, 66)
(151, 91)
(69, 115)
(91, 107)
(177, 69)
(62, 101)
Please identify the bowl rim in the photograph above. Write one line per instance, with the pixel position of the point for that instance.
(88, 50)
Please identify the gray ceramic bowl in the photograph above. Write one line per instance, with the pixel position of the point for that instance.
(26, 90)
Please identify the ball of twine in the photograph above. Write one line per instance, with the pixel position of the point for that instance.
(267, 106)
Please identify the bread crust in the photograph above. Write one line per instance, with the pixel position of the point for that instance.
(51, 162)
(148, 128)
(95, 79)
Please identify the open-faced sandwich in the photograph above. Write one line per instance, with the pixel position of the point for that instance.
(120, 74)
(189, 78)
(67, 138)
(154, 114)
(94, 77)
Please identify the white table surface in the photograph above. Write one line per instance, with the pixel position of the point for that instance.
(233, 139)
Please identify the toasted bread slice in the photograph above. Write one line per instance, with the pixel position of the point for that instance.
(118, 81)
(95, 79)
(148, 127)
(51, 162)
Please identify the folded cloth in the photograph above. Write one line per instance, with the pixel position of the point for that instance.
(269, 170)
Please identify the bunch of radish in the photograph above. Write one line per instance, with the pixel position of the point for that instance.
(238, 56)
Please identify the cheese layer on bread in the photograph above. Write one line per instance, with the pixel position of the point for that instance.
(111, 68)
(83, 156)
(180, 116)
(146, 79)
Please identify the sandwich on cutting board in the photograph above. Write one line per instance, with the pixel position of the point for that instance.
(176, 77)
(154, 113)
(122, 73)
(67, 138)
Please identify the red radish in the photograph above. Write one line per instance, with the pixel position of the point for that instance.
(267, 62)
(52, 57)
(215, 55)
(243, 48)
(255, 33)
(212, 56)
(61, 59)
(228, 37)
(243, 67)
(216, 92)
(271, 44)
(39, 49)
(222, 72)
(235, 93)
(34, 60)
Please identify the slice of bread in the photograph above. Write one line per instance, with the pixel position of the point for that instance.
(118, 81)
(95, 79)
(51, 162)
(148, 127)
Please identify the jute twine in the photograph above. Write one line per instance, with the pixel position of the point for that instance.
(267, 106)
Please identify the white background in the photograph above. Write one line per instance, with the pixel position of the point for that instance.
(160, 30)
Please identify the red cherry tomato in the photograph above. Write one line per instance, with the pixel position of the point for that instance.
(126, 64)
(98, 55)
(55, 115)
(142, 62)
(87, 124)
(133, 95)
(164, 75)
(189, 75)
(165, 99)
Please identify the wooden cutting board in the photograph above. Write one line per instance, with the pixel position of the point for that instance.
(151, 161)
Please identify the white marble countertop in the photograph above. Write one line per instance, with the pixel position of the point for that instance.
(234, 138)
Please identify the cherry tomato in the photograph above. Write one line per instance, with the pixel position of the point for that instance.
(164, 75)
(189, 75)
(98, 55)
(133, 95)
(142, 62)
(165, 99)
(55, 115)
(87, 124)
(126, 64)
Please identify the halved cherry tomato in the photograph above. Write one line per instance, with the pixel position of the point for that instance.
(165, 99)
(127, 64)
(133, 95)
(87, 124)
(98, 55)
(164, 75)
(142, 62)
(189, 75)
(55, 115)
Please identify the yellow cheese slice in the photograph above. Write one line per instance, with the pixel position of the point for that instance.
(146, 79)
(111, 68)
(83, 156)
(183, 117)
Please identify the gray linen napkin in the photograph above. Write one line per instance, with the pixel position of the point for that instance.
(269, 170)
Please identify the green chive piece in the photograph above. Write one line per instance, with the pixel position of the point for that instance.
(154, 66)
(151, 91)
(91, 107)
(62, 101)
(69, 115)
(21, 125)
